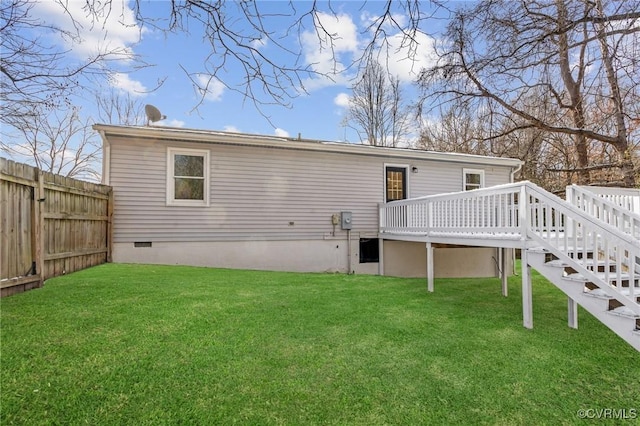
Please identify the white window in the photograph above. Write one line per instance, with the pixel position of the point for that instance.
(187, 177)
(472, 179)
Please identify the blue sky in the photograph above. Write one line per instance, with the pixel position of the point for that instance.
(316, 115)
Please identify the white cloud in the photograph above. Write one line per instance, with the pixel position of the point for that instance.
(232, 129)
(400, 55)
(400, 60)
(342, 100)
(210, 87)
(176, 123)
(123, 82)
(113, 29)
(169, 123)
(282, 133)
(333, 41)
(369, 20)
(331, 48)
(259, 43)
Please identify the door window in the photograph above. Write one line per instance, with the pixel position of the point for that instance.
(396, 183)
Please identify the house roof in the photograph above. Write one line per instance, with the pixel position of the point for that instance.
(233, 138)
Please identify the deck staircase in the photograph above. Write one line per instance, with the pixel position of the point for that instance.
(587, 246)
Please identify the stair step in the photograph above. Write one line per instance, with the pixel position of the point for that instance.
(598, 265)
(624, 290)
(538, 250)
(599, 293)
(602, 276)
(557, 263)
(579, 252)
(624, 311)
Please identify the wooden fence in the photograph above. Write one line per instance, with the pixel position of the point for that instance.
(50, 225)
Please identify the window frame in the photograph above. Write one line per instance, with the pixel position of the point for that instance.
(405, 168)
(170, 184)
(466, 172)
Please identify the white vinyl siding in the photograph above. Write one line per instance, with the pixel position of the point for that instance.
(262, 193)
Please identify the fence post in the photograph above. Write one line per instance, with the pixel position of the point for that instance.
(110, 227)
(35, 227)
(39, 226)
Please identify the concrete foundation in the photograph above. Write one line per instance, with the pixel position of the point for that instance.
(401, 258)
(409, 259)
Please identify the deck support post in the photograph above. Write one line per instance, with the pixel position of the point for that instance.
(503, 271)
(380, 256)
(572, 313)
(429, 268)
(527, 300)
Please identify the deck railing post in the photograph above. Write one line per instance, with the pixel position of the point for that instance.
(523, 212)
(429, 216)
(382, 216)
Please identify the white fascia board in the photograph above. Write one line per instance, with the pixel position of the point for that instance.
(106, 159)
(232, 138)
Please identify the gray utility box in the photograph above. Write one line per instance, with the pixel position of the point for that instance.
(346, 221)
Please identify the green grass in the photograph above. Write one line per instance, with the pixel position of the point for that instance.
(139, 344)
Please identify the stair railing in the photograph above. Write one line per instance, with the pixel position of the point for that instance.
(628, 198)
(616, 208)
(585, 243)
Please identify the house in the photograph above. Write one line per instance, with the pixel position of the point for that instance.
(220, 199)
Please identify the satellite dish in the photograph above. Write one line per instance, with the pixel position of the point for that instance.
(153, 114)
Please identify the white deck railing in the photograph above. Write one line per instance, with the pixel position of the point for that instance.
(489, 210)
(618, 207)
(525, 211)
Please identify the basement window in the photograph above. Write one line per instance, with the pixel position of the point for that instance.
(369, 250)
(142, 244)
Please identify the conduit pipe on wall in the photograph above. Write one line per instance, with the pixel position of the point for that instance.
(349, 251)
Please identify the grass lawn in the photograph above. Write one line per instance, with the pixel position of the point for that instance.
(141, 344)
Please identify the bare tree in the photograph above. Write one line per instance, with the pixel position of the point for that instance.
(582, 53)
(37, 77)
(457, 129)
(376, 109)
(116, 107)
(235, 33)
(56, 141)
(34, 71)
